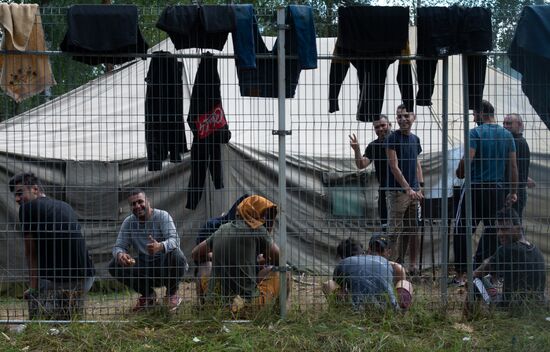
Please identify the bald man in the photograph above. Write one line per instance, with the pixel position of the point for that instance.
(514, 124)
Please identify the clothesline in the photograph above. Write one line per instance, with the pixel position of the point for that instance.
(232, 56)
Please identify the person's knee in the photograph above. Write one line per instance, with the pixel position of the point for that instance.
(404, 290)
(329, 287)
(177, 259)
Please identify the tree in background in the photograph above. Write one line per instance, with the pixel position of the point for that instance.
(70, 74)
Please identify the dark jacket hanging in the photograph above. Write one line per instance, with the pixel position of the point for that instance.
(103, 30)
(529, 54)
(164, 124)
(192, 26)
(362, 33)
(210, 130)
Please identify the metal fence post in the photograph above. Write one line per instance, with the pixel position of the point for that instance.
(467, 179)
(444, 181)
(282, 160)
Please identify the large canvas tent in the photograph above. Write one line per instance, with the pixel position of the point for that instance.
(89, 145)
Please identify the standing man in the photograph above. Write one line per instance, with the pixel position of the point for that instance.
(514, 124)
(376, 152)
(492, 151)
(405, 182)
(160, 262)
(56, 253)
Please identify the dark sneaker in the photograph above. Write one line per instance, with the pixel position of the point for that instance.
(144, 303)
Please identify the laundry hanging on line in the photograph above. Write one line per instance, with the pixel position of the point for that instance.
(262, 79)
(529, 54)
(444, 31)
(164, 123)
(367, 37)
(23, 76)
(208, 123)
(102, 32)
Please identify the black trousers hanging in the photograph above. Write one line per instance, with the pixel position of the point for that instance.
(205, 156)
(426, 68)
(164, 124)
(444, 31)
(371, 74)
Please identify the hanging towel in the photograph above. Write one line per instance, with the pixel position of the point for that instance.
(103, 30)
(23, 76)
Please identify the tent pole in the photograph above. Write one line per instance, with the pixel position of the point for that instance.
(467, 179)
(444, 181)
(282, 132)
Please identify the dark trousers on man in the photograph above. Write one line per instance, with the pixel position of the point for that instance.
(152, 271)
(383, 209)
(487, 199)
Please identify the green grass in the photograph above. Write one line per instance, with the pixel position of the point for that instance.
(334, 328)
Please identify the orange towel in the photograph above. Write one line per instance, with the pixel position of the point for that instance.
(22, 76)
(255, 209)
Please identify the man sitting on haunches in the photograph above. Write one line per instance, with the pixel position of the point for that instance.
(518, 262)
(369, 279)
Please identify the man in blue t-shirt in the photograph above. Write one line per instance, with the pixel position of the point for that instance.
(405, 182)
(368, 279)
(492, 151)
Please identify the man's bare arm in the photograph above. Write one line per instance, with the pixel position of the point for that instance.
(201, 251)
(360, 161)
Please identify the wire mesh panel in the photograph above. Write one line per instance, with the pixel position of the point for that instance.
(146, 177)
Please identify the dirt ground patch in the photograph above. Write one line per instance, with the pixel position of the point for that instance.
(305, 294)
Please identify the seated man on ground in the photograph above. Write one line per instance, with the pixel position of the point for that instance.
(203, 268)
(369, 279)
(519, 263)
(160, 262)
(235, 247)
(60, 267)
